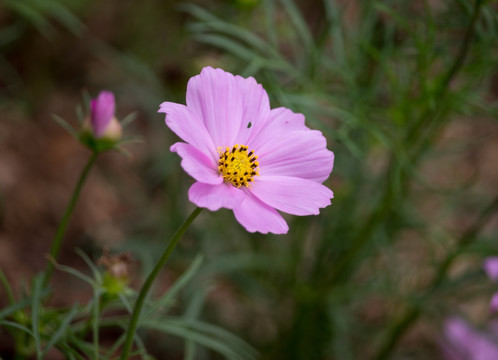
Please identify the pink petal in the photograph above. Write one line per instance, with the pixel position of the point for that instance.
(227, 104)
(256, 108)
(102, 111)
(197, 164)
(288, 148)
(491, 267)
(299, 154)
(188, 127)
(280, 122)
(254, 216)
(460, 336)
(493, 304)
(465, 342)
(214, 197)
(292, 195)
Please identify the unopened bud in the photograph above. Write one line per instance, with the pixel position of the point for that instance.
(117, 274)
(102, 122)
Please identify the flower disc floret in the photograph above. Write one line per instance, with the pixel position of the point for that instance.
(238, 166)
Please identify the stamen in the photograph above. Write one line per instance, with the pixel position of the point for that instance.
(237, 165)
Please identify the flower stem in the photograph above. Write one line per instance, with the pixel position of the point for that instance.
(150, 279)
(56, 244)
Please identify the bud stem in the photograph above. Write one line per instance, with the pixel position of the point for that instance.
(56, 243)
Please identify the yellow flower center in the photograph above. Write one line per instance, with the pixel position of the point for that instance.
(237, 165)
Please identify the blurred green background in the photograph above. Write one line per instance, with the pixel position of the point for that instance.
(405, 92)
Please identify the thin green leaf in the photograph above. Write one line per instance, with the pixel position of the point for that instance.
(70, 351)
(65, 125)
(95, 324)
(61, 13)
(36, 301)
(79, 114)
(234, 31)
(61, 330)
(123, 151)
(216, 339)
(190, 350)
(132, 140)
(245, 54)
(196, 301)
(300, 25)
(95, 270)
(209, 22)
(85, 347)
(33, 16)
(222, 334)
(399, 19)
(17, 326)
(8, 289)
(271, 32)
(117, 344)
(129, 118)
(78, 274)
(15, 307)
(335, 32)
(87, 99)
(197, 12)
(167, 299)
(9, 34)
(126, 303)
(228, 45)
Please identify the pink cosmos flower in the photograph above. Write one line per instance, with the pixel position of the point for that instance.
(491, 268)
(466, 343)
(245, 156)
(102, 120)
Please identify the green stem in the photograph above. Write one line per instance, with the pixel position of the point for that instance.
(56, 243)
(343, 266)
(443, 87)
(137, 309)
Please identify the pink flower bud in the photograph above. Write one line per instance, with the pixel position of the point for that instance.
(102, 120)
